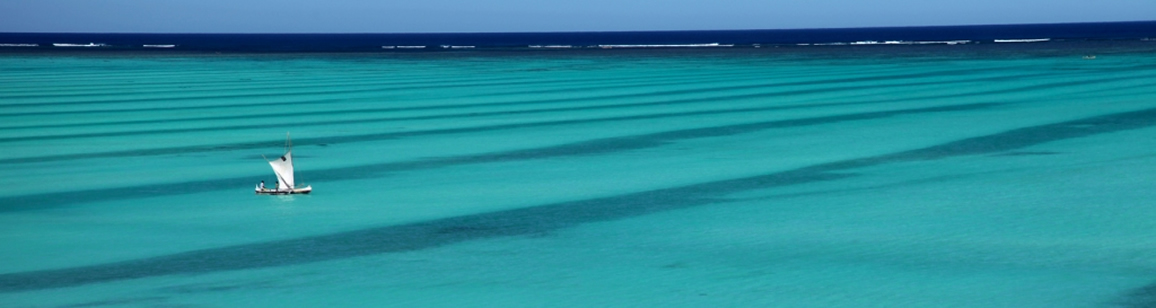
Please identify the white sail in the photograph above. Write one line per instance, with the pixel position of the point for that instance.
(283, 167)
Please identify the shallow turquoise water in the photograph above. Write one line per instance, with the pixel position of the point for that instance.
(721, 178)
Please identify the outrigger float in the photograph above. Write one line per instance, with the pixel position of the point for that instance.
(283, 168)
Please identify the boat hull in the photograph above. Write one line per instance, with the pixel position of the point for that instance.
(295, 191)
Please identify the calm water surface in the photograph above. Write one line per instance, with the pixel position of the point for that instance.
(832, 176)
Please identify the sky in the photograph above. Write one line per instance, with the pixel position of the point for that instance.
(408, 16)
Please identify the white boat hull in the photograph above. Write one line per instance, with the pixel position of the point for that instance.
(304, 190)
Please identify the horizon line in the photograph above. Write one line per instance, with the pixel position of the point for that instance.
(610, 31)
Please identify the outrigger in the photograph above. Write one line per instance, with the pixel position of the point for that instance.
(283, 168)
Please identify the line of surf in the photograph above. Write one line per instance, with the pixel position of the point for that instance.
(1038, 40)
(706, 45)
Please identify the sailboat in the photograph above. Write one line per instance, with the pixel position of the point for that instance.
(283, 168)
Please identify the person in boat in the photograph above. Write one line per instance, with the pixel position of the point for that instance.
(262, 184)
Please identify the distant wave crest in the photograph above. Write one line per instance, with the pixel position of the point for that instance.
(79, 45)
(667, 45)
(1037, 40)
(951, 42)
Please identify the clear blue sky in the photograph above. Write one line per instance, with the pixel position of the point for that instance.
(300, 16)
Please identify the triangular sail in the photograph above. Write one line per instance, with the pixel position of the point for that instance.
(283, 167)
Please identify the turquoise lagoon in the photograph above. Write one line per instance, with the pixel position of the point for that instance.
(878, 176)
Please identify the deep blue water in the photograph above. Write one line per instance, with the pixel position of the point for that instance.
(441, 41)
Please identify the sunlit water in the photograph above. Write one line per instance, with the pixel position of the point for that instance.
(806, 178)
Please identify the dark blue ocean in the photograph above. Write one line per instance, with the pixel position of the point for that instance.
(377, 42)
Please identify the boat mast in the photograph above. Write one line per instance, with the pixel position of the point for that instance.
(289, 151)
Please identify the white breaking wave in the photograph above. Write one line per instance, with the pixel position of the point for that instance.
(19, 45)
(1023, 40)
(551, 46)
(78, 45)
(668, 46)
(955, 42)
(942, 42)
(159, 46)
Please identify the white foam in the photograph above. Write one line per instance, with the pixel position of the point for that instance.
(19, 45)
(410, 47)
(160, 46)
(955, 42)
(551, 46)
(667, 46)
(1023, 40)
(78, 45)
